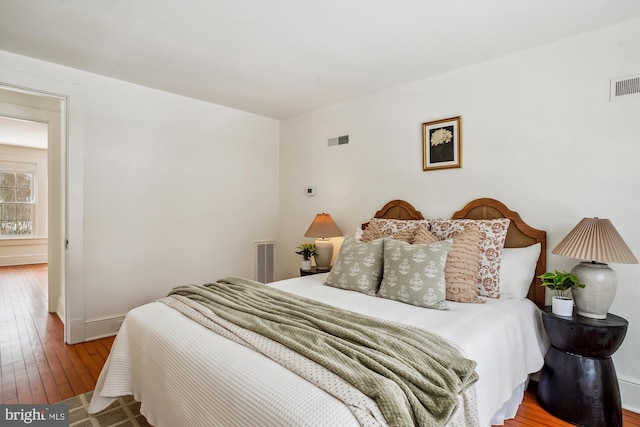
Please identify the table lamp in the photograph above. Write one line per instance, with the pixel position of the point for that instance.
(596, 240)
(322, 227)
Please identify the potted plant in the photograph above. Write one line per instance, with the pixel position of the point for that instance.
(560, 282)
(307, 250)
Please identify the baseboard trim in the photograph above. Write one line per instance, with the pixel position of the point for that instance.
(29, 250)
(99, 328)
(60, 308)
(77, 327)
(6, 261)
(630, 393)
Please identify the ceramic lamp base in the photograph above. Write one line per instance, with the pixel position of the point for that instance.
(324, 254)
(601, 284)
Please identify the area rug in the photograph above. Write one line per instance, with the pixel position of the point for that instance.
(124, 412)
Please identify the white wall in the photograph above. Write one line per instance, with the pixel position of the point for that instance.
(166, 190)
(22, 133)
(538, 133)
(177, 192)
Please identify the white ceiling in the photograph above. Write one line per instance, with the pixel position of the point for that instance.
(279, 58)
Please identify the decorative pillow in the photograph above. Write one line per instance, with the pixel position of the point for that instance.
(414, 274)
(373, 232)
(358, 266)
(463, 264)
(423, 235)
(493, 233)
(517, 269)
(389, 227)
(358, 233)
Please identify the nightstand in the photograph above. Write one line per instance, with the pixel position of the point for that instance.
(578, 381)
(314, 270)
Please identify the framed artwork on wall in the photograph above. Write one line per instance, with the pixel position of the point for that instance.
(442, 144)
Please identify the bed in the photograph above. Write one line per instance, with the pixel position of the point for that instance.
(186, 375)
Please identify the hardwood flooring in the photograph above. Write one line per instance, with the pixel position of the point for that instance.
(530, 414)
(37, 367)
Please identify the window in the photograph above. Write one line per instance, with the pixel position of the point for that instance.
(17, 203)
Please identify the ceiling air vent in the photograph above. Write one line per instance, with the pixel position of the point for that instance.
(625, 87)
(338, 140)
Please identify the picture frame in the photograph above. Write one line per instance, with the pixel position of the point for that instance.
(442, 144)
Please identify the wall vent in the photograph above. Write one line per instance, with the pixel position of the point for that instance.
(265, 262)
(625, 87)
(338, 140)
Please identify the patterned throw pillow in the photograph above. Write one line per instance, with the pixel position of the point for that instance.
(390, 227)
(358, 266)
(463, 264)
(423, 235)
(414, 274)
(492, 236)
(373, 232)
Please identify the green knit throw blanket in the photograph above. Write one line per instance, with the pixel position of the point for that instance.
(414, 376)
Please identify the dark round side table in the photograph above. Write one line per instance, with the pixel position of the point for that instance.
(578, 381)
(314, 270)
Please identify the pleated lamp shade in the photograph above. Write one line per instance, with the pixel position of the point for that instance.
(595, 239)
(322, 227)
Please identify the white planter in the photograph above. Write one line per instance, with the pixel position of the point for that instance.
(305, 264)
(562, 306)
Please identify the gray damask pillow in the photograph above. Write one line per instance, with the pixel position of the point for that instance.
(414, 274)
(358, 266)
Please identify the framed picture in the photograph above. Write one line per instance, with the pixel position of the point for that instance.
(441, 144)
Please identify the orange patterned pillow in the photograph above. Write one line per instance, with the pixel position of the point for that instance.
(390, 227)
(463, 264)
(373, 232)
(423, 235)
(493, 233)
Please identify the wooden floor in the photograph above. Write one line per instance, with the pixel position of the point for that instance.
(37, 367)
(531, 414)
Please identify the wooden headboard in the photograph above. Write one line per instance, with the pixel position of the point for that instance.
(398, 209)
(519, 234)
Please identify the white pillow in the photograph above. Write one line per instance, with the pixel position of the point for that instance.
(518, 266)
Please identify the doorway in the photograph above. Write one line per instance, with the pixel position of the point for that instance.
(34, 107)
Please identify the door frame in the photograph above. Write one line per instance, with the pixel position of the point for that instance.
(65, 212)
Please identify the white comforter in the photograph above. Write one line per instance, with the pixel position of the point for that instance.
(185, 375)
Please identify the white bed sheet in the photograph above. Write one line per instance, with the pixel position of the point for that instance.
(504, 337)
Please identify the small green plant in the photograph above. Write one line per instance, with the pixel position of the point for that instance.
(559, 282)
(307, 250)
